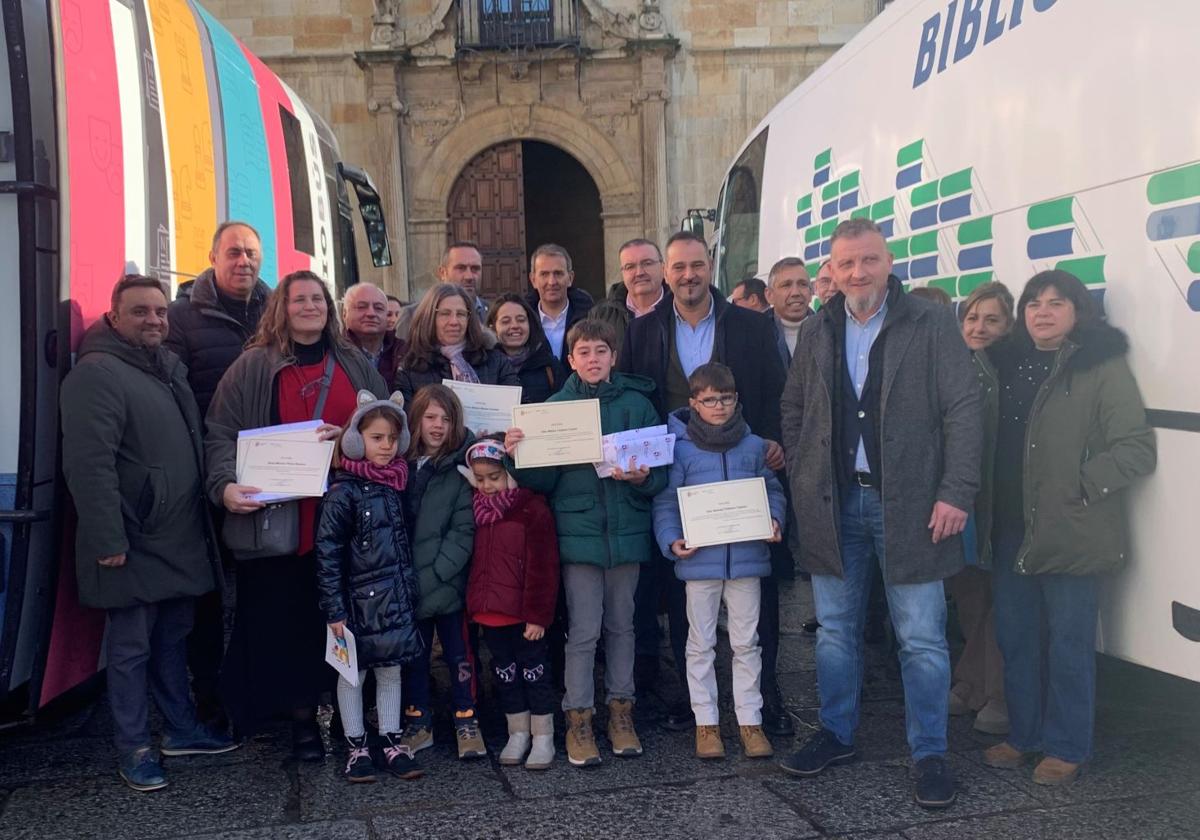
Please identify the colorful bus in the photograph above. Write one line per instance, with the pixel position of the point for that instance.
(128, 130)
(989, 141)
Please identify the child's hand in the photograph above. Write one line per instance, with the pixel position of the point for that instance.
(338, 628)
(777, 534)
(533, 632)
(679, 549)
(328, 431)
(635, 475)
(511, 438)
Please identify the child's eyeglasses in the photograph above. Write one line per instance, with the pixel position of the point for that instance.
(725, 400)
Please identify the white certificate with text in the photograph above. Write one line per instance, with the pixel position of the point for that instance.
(558, 433)
(291, 468)
(725, 512)
(487, 409)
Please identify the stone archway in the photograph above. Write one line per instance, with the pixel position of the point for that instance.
(620, 192)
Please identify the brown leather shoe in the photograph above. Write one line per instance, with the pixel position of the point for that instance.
(1055, 771)
(621, 734)
(581, 742)
(755, 743)
(1004, 756)
(709, 743)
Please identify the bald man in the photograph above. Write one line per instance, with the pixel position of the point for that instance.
(365, 312)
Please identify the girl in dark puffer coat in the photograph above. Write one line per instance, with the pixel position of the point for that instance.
(365, 576)
(511, 594)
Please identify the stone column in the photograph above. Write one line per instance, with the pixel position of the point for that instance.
(652, 97)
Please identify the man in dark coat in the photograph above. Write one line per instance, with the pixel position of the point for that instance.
(883, 432)
(690, 326)
(640, 290)
(211, 319)
(365, 314)
(144, 548)
(558, 304)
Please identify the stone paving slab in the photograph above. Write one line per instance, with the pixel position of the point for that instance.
(339, 830)
(241, 795)
(877, 796)
(730, 809)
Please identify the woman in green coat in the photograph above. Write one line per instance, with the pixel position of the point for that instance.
(442, 524)
(1071, 438)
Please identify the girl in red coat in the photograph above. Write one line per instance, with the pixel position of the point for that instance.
(511, 593)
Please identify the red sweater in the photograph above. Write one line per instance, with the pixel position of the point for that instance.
(514, 568)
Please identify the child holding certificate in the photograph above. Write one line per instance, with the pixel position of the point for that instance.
(365, 576)
(604, 533)
(511, 594)
(712, 444)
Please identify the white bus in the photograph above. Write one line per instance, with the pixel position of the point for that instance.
(991, 139)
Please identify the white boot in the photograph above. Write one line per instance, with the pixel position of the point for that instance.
(518, 739)
(542, 754)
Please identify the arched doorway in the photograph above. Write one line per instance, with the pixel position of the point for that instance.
(515, 196)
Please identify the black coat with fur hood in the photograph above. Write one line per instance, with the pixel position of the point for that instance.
(1086, 441)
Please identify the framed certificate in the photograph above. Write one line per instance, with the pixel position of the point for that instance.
(558, 433)
(725, 512)
(486, 408)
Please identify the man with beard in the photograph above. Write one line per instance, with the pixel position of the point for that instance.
(882, 426)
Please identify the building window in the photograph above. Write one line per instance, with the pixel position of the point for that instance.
(516, 24)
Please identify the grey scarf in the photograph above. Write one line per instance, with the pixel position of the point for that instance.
(721, 438)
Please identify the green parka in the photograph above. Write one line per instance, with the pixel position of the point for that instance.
(1086, 441)
(603, 522)
(442, 526)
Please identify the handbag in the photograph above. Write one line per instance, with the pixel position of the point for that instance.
(273, 530)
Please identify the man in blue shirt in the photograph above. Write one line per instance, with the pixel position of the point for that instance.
(883, 433)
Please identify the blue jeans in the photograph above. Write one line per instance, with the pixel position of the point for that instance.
(1046, 629)
(918, 615)
(460, 660)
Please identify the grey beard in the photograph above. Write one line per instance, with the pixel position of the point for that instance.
(867, 305)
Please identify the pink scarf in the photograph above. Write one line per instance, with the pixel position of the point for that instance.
(489, 509)
(394, 475)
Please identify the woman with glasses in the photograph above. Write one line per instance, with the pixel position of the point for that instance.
(298, 367)
(446, 341)
(1070, 439)
(521, 338)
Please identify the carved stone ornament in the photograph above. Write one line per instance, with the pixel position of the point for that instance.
(650, 19)
(386, 32)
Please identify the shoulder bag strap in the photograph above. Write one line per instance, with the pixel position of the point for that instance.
(326, 381)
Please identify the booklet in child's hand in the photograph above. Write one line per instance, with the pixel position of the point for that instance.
(342, 654)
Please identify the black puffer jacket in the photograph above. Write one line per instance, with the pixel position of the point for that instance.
(542, 375)
(364, 570)
(579, 305)
(206, 337)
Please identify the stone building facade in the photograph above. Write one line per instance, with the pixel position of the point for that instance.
(521, 113)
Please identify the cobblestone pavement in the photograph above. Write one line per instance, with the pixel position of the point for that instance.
(59, 780)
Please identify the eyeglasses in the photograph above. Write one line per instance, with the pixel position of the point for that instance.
(725, 400)
(644, 265)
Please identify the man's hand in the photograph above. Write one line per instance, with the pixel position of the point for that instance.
(237, 498)
(679, 549)
(511, 438)
(775, 457)
(533, 632)
(112, 561)
(635, 475)
(946, 521)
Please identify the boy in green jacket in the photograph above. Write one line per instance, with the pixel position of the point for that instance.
(605, 531)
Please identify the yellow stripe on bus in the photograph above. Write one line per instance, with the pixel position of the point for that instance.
(189, 131)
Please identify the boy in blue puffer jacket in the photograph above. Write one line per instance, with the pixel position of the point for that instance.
(713, 443)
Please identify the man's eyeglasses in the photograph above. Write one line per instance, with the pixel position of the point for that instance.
(644, 265)
(725, 400)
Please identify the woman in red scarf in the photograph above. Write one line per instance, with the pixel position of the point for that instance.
(274, 664)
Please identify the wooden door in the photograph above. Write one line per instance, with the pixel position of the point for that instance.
(487, 205)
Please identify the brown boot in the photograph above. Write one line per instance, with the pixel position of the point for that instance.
(1055, 771)
(1004, 756)
(755, 743)
(581, 743)
(621, 733)
(708, 742)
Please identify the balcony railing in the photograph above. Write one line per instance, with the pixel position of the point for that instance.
(517, 24)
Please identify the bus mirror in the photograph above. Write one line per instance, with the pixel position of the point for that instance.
(371, 208)
(693, 221)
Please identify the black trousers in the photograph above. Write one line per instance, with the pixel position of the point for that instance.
(524, 680)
